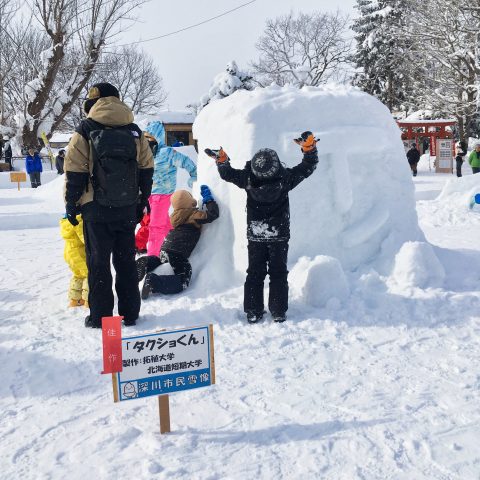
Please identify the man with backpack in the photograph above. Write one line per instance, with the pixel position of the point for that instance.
(108, 178)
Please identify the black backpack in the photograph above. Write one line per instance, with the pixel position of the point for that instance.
(114, 175)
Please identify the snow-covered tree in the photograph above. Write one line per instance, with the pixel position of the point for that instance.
(223, 85)
(385, 54)
(448, 35)
(303, 49)
(135, 75)
(71, 35)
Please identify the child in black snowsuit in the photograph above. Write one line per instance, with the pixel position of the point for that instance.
(267, 183)
(187, 221)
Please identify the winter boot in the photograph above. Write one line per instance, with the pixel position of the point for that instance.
(148, 263)
(76, 303)
(89, 323)
(279, 317)
(254, 317)
(129, 322)
(147, 288)
(141, 264)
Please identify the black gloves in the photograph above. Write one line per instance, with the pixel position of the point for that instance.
(72, 211)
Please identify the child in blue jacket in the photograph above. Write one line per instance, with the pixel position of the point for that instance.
(33, 165)
(166, 162)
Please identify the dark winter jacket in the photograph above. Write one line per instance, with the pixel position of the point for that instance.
(33, 164)
(187, 222)
(78, 166)
(59, 164)
(459, 157)
(268, 208)
(413, 156)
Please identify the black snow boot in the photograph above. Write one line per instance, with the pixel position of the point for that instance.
(147, 287)
(254, 317)
(89, 323)
(129, 322)
(279, 317)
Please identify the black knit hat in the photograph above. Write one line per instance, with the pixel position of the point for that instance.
(99, 90)
(265, 163)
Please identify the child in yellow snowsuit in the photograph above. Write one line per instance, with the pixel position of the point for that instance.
(74, 255)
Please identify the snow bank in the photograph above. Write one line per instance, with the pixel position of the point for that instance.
(47, 176)
(416, 265)
(459, 191)
(358, 207)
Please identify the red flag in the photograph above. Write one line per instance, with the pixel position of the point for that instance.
(112, 344)
(433, 146)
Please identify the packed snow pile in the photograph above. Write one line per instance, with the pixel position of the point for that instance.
(358, 206)
(319, 281)
(417, 266)
(459, 191)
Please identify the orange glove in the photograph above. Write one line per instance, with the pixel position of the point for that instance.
(219, 155)
(307, 142)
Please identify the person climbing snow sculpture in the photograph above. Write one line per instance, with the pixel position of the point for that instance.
(167, 160)
(267, 183)
(187, 221)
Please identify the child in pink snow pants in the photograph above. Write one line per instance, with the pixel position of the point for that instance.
(166, 161)
(159, 222)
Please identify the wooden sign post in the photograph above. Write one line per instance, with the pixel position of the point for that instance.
(164, 411)
(162, 363)
(17, 177)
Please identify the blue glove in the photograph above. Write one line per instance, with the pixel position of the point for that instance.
(206, 194)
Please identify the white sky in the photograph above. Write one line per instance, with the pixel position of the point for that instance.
(189, 60)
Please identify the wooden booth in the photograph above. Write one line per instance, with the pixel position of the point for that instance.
(433, 135)
(178, 127)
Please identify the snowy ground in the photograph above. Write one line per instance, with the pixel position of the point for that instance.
(385, 387)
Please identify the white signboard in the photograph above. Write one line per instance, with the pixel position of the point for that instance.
(444, 154)
(166, 362)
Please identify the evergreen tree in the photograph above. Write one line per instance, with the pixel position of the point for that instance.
(384, 51)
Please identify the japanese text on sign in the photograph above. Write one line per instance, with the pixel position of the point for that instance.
(165, 362)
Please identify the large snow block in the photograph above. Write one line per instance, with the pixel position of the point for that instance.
(358, 206)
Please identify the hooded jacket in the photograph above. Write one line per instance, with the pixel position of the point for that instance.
(33, 164)
(474, 159)
(187, 221)
(268, 207)
(167, 160)
(111, 112)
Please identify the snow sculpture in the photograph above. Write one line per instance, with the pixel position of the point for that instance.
(357, 207)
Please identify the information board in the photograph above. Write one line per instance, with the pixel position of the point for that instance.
(165, 362)
(444, 162)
